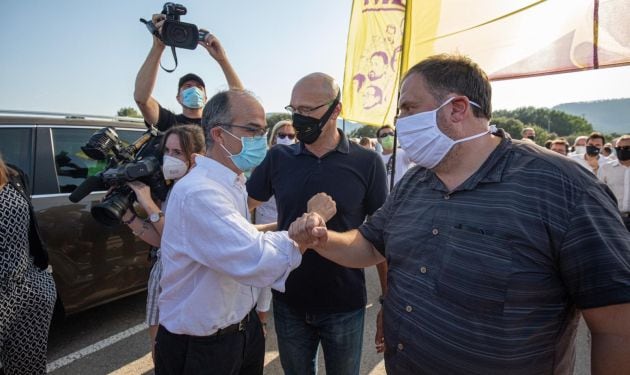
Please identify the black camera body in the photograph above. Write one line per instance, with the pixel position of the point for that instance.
(176, 33)
(139, 161)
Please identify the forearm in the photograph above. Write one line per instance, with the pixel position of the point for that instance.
(350, 249)
(145, 231)
(145, 84)
(233, 81)
(381, 268)
(610, 353)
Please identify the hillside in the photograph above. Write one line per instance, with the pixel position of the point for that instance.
(607, 116)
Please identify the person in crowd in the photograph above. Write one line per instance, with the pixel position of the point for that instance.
(214, 261)
(323, 303)
(607, 151)
(366, 143)
(579, 146)
(548, 144)
(528, 134)
(592, 159)
(616, 174)
(191, 90)
(478, 283)
(282, 133)
(385, 136)
(560, 146)
(179, 146)
(27, 289)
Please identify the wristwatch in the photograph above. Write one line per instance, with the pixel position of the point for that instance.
(156, 216)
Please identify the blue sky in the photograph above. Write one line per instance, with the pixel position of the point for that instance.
(82, 56)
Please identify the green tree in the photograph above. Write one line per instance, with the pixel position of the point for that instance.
(129, 112)
(364, 131)
(512, 126)
(274, 117)
(551, 120)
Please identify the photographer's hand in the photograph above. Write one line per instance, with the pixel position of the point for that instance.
(215, 49)
(143, 194)
(158, 22)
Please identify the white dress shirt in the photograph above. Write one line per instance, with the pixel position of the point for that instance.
(617, 177)
(580, 158)
(214, 260)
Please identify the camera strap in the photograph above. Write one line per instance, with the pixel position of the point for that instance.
(154, 31)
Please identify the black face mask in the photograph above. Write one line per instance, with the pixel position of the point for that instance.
(531, 137)
(592, 150)
(308, 129)
(623, 153)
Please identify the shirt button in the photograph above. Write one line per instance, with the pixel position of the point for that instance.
(409, 309)
(435, 231)
(423, 269)
(400, 346)
(447, 197)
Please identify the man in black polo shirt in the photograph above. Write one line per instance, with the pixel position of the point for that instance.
(324, 302)
(479, 281)
(191, 91)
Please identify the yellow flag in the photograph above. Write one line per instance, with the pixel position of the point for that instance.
(520, 38)
(370, 85)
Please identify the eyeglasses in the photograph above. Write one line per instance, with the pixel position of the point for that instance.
(253, 130)
(306, 110)
(283, 136)
(383, 135)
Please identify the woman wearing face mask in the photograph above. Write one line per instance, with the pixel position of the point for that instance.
(179, 145)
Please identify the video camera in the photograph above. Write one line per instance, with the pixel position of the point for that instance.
(137, 162)
(174, 32)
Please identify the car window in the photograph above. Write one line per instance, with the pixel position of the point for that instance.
(73, 165)
(16, 147)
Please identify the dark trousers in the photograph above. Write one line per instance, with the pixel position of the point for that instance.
(235, 353)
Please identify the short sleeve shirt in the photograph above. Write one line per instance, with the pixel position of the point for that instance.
(167, 119)
(355, 178)
(487, 279)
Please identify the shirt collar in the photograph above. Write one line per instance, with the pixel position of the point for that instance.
(219, 171)
(343, 146)
(490, 171)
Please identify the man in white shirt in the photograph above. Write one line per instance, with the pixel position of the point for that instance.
(385, 136)
(592, 159)
(616, 174)
(215, 261)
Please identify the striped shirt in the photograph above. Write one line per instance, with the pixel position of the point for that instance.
(487, 279)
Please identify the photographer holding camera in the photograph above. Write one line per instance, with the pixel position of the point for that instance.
(191, 90)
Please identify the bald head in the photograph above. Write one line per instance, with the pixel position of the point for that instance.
(319, 85)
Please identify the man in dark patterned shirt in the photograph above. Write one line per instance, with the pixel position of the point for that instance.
(482, 281)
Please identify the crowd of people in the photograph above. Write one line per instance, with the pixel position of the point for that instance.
(488, 249)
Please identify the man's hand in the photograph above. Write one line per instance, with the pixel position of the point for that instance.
(309, 231)
(322, 204)
(379, 337)
(158, 22)
(214, 47)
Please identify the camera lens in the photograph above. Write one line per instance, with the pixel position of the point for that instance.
(179, 35)
(111, 210)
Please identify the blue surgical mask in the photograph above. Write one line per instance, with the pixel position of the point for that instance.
(193, 97)
(253, 152)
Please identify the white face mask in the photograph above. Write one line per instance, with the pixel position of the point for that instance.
(580, 150)
(173, 168)
(284, 141)
(423, 141)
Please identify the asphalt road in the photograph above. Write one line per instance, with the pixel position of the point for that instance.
(112, 339)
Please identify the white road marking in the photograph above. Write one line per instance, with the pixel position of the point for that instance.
(64, 361)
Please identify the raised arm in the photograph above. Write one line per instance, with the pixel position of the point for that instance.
(147, 76)
(215, 49)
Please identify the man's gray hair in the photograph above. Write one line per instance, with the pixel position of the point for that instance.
(217, 112)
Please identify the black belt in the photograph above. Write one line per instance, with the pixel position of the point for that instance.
(236, 327)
